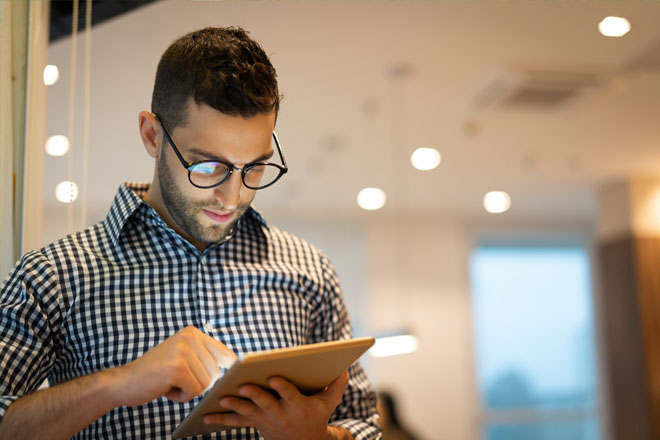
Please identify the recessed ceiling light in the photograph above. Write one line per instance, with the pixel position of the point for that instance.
(51, 74)
(425, 158)
(497, 202)
(66, 192)
(57, 145)
(614, 26)
(371, 198)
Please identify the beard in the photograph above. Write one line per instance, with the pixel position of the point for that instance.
(184, 210)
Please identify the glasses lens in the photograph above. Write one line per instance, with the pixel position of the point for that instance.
(260, 175)
(206, 174)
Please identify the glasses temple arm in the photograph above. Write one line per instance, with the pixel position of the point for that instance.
(279, 150)
(185, 164)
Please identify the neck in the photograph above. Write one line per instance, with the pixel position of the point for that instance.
(154, 198)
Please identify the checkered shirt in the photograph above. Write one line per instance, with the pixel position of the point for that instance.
(102, 297)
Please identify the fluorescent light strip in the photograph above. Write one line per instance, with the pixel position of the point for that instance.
(394, 345)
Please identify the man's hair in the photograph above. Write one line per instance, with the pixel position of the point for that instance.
(220, 67)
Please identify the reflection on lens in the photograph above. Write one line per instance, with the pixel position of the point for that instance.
(207, 174)
(206, 168)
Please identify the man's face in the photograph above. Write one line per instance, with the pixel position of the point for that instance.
(208, 215)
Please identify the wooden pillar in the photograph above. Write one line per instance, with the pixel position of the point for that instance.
(35, 124)
(629, 249)
(23, 53)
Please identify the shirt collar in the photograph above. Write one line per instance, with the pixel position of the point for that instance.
(130, 199)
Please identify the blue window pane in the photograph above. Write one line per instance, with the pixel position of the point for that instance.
(533, 324)
(565, 430)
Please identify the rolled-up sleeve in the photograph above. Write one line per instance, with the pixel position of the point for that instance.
(28, 308)
(357, 411)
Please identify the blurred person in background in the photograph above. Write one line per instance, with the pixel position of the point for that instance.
(389, 419)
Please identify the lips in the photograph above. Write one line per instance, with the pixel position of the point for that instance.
(219, 217)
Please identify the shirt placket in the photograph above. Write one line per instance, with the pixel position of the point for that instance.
(209, 273)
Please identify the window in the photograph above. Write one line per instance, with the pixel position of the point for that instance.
(534, 342)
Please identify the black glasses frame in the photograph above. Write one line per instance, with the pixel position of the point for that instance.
(188, 165)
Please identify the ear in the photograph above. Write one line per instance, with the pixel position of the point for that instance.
(150, 133)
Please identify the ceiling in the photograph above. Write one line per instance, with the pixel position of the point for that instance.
(61, 14)
(520, 96)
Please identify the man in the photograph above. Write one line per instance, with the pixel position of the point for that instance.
(131, 318)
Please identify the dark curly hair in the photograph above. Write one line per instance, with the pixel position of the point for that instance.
(221, 67)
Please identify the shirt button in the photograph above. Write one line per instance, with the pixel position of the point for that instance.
(208, 327)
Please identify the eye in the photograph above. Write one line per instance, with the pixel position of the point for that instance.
(256, 169)
(209, 168)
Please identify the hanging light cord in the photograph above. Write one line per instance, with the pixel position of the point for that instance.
(72, 108)
(86, 122)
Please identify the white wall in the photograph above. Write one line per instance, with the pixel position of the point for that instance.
(418, 278)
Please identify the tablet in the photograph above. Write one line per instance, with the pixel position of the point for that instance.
(309, 367)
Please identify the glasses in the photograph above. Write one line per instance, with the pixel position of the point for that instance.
(211, 173)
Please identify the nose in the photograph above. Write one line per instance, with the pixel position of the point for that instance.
(229, 193)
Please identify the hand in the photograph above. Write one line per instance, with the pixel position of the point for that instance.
(292, 416)
(179, 368)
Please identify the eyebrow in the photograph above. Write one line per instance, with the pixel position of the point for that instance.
(208, 156)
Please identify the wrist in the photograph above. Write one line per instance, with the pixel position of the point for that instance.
(110, 387)
(338, 433)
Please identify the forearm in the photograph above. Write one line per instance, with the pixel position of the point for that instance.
(61, 411)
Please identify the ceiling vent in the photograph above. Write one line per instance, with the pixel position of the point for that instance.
(647, 61)
(534, 89)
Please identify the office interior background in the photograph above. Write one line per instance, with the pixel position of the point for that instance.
(530, 323)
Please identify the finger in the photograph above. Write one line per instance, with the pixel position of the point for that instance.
(202, 366)
(287, 391)
(208, 360)
(261, 398)
(241, 406)
(222, 354)
(190, 351)
(178, 395)
(335, 390)
(184, 384)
